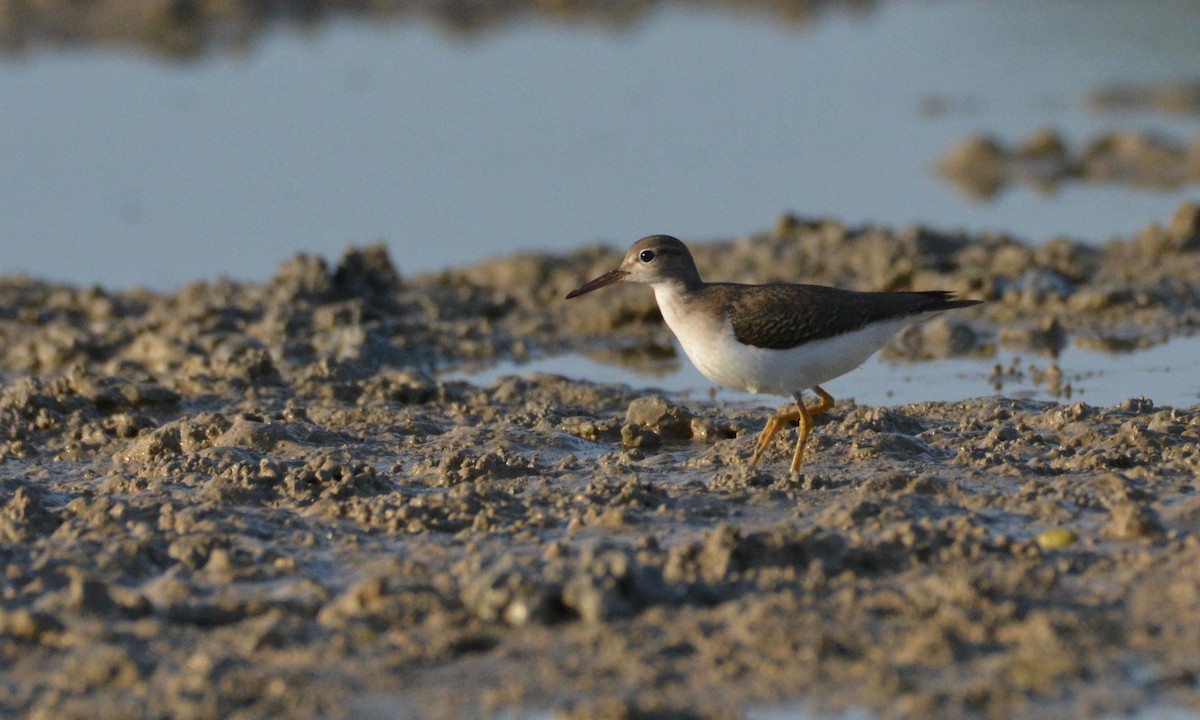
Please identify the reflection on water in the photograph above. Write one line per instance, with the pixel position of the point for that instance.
(1167, 374)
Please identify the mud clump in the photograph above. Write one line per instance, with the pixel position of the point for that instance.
(653, 421)
(175, 29)
(1179, 98)
(265, 500)
(982, 166)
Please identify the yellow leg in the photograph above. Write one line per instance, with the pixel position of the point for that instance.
(824, 402)
(802, 413)
(764, 438)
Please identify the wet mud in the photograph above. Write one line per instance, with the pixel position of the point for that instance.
(259, 499)
(1180, 97)
(982, 166)
(189, 29)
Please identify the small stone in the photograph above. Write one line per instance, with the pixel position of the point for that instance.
(1056, 538)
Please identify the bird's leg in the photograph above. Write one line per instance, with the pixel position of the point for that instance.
(768, 432)
(824, 402)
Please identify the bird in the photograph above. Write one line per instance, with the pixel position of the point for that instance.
(777, 338)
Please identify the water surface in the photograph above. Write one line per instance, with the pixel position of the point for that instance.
(124, 169)
(1167, 374)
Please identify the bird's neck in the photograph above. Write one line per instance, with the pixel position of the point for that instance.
(674, 299)
(675, 290)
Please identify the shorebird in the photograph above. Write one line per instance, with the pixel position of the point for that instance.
(776, 339)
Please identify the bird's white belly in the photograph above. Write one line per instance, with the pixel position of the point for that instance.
(718, 355)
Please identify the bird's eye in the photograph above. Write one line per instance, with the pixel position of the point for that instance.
(646, 256)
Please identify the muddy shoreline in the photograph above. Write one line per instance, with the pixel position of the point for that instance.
(982, 167)
(257, 500)
(191, 29)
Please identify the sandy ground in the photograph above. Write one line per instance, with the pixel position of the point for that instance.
(257, 500)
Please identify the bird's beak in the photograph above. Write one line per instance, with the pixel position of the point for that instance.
(608, 278)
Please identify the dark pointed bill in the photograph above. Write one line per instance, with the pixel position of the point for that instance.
(607, 278)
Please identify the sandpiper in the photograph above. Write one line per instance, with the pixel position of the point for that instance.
(777, 339)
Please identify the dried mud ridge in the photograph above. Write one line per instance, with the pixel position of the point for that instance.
(256, 501)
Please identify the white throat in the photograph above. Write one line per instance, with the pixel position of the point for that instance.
(670, 295)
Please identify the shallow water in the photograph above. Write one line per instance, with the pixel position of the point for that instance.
(698, 122)
(1167, 374)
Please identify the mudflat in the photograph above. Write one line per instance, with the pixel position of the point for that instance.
(260, 499)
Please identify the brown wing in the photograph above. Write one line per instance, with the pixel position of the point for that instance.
(785, 315)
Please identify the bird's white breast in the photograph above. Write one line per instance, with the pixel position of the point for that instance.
(710, 344)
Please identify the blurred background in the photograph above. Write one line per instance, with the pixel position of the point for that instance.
(156, 142)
